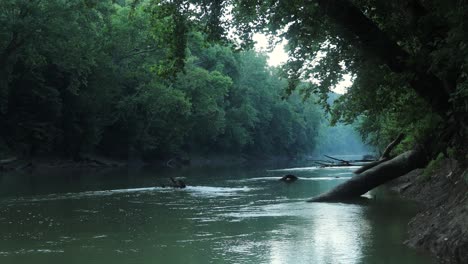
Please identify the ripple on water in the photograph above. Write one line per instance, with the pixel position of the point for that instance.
(31, 251)
(208, 191)
(217, 191)
(328, 178)
(81, 195)
(254, 220)
(316, 168)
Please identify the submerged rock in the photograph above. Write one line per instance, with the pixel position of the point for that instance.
(289, 178)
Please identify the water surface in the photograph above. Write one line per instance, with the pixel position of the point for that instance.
(226, 215)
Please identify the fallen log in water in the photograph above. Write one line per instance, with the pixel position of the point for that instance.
(385, 155)
(375, 176)
(344, 162)
(369, 166)
(324, 165)
(327, 163)
(341, 162)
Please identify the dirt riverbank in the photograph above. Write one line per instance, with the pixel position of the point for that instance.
(442, 225)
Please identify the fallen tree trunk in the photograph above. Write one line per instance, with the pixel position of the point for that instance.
(323, 164)
(385, 156)
(373, 177)
(331, 164)
(369, 166)
(343, 161)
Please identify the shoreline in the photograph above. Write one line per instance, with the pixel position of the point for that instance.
(13, 163)
(58, 163)
(441, 227)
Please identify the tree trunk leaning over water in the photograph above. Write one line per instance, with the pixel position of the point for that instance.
(373, 177)
(385, 155)
(391, 146)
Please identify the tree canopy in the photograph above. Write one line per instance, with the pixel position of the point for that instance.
(109, 76)
(166, 77)
(408, 58)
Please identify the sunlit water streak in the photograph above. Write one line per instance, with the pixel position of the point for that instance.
(206, 191)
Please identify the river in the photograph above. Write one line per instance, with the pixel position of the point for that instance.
(225, 215)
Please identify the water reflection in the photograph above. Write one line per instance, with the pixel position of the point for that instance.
(342, 231)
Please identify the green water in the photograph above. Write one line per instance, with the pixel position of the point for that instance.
(230, 215)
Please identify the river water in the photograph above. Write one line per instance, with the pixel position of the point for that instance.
(225, 215)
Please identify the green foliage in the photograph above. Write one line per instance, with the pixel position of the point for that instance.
(432, 167)
(157, 78)
(169, 30)
(206, 91)
(138, 79)
(49, 51)
(156, 119)
(392, 92)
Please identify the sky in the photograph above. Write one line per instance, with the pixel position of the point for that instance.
(279, 56)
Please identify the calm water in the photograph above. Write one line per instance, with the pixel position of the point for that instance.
(230, 215)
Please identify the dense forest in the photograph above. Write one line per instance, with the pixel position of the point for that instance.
(157, 79)
(103, 77)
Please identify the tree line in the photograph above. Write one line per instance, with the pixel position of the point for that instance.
(82, 77)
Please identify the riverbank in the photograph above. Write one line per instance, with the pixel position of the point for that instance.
(442, 225)
(48, 163)
(12, 163)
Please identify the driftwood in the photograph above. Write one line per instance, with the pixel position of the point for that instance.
(335, 162)
(340, 163)
(327, 163)
(323, 164)
(340, 160)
